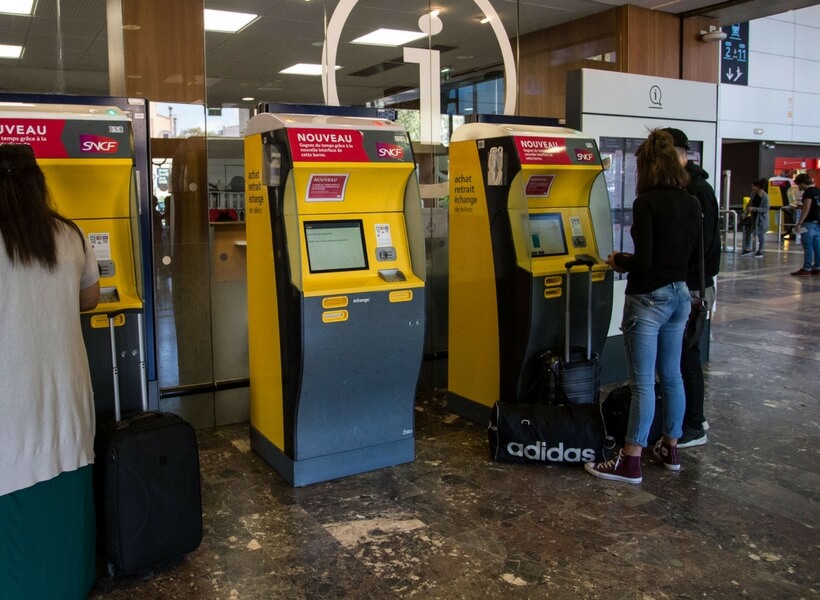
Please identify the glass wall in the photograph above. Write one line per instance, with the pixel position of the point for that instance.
(441, 63)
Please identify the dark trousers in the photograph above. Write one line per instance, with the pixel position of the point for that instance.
(691, 369)
(693, 386)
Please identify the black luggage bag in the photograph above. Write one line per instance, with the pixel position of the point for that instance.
(573, 376)
(547, 433)
(147, 485)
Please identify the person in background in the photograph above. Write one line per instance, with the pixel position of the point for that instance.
(808, 226)
(49, 274)
(757, 212)
(666, 232)
(694, 419)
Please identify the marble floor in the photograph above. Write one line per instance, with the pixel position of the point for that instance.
(740, 521)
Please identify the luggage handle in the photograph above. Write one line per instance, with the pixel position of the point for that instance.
(115, 371)
(587, 261)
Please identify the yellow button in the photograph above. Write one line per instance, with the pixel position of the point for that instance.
(334, 316)
(334, 302)
(401, 296)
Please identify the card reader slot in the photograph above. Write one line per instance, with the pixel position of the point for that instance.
(392, 275)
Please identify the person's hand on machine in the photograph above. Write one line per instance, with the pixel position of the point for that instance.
(610, 260)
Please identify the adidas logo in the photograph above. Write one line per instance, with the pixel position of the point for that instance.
(540, 451)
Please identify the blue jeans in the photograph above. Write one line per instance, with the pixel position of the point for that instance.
(653, 326)
(811, 246)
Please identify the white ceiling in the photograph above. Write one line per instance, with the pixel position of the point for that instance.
(290, 31)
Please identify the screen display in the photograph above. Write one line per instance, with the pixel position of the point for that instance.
(547, 234)
(335, 246)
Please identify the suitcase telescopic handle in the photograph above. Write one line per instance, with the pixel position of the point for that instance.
(589, 262)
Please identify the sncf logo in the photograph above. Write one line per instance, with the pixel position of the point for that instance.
(385, 150)
(98, 143)
(584, 155)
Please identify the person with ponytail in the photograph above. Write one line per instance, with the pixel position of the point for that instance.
(666, 231)
(48, 274)
(757, 212)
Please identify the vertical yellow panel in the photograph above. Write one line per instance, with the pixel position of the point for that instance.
(263, 325)
(473, 371)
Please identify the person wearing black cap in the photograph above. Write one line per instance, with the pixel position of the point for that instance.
(809, 224)
(694, 420)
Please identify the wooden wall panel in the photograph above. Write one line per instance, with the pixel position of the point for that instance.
(546, 56)
(701, 60)
(164, 46)
(653, 42)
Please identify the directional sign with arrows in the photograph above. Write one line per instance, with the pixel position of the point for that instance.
(734, 54)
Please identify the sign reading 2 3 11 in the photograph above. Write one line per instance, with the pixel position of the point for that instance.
(734, 54)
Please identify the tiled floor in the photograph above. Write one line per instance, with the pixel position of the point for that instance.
(740, 521)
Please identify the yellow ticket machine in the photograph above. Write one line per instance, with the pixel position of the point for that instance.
(524, 201)
(87, 156)
(336, 271)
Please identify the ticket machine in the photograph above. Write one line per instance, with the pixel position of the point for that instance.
(336, 271)
(87, 156)
(524, 201)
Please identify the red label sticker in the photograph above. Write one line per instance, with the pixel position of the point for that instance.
(539, 185)
(326, 188)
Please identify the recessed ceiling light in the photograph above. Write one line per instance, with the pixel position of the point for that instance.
(16, 7)
(483, 20)
(305, 69)
(10, 51)
(389, 37)
(227, 21)
(248, 99)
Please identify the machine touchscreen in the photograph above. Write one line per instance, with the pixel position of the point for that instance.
(335, 246)
(547, 234)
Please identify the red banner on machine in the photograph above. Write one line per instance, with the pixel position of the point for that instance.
(327, 145)
(43, 135)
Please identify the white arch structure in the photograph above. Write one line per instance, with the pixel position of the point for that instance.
(334, 32)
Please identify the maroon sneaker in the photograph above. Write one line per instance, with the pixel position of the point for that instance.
(801, 273)
(621, 468)
(667, 454)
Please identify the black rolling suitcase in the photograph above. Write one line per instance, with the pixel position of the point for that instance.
(573, 376)
(146, 477)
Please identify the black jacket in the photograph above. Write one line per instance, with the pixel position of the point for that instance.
(701, 190)
(665, 229)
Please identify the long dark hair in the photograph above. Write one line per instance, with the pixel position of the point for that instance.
(28, 221)
(761, 183)
(658, 163)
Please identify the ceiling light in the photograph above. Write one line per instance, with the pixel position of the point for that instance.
(389, 37)
(226, 21)
(484, 20)
(435, 12)
(10, 51)
(16, 7)
(305, 69)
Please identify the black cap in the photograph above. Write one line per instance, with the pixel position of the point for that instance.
(678, 137)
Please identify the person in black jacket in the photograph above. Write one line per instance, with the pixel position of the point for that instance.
(666, 231)
(694, 420)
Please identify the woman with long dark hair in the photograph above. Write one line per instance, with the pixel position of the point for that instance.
(48, 274)
(666, 231)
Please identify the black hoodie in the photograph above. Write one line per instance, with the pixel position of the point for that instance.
(701, 190)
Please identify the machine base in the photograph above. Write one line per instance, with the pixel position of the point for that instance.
(469, 409)
(332, 466)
